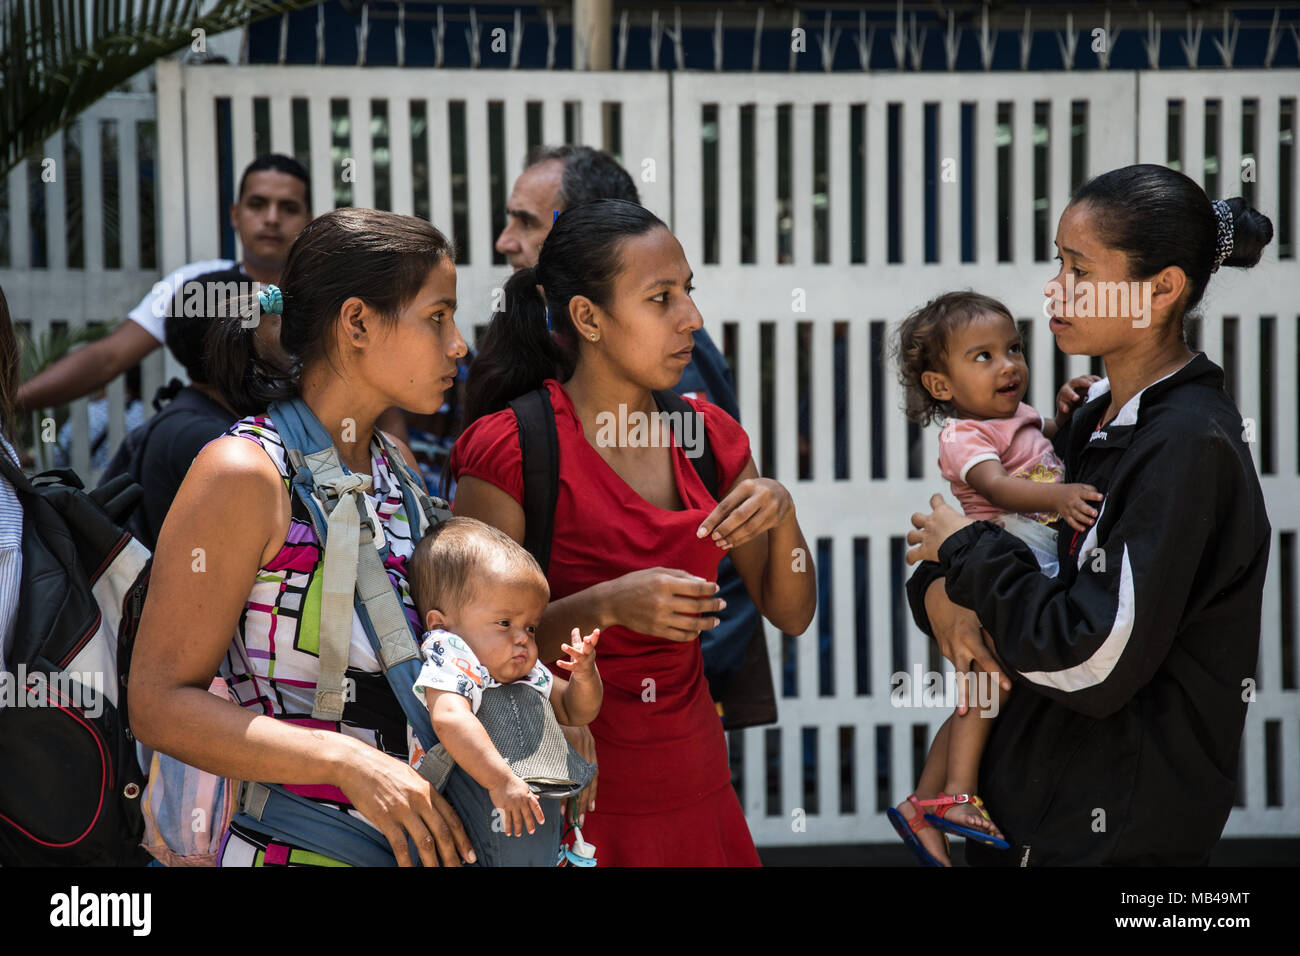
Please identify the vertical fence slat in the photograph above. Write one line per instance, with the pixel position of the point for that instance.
(764, 183)
(480, 235)
(1266, 163)
(785, 399)
(281, 113)
(859, 404)
(128, 191)
(242, 141)
(515, 120)
(399, 152)
(986, 178)
(914, 174)
(1194, 137)
(553, 121)
(20, 251)
(801, 187)
(92, 193)
(362, 147)
(728, 194)
(171, 165)
(688, 206)
(56, 205)
(1022, 179)
(1284, 376)
(439, 144)
(749, 392)
(839, 191)
(822, 383)
(948, 194)
(322, 158)
(1229, 146)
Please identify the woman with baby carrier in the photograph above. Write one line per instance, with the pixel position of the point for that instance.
(239, 587)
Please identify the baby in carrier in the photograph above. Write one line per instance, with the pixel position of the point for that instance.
(960, 356)
(495, 708)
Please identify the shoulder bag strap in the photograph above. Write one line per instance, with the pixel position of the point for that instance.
(539, 448)
(705, 465)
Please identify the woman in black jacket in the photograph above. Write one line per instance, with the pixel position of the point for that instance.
(1136, 663)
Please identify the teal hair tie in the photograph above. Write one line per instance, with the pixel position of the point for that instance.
(271, 299)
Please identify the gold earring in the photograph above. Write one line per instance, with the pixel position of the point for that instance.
(593, 336)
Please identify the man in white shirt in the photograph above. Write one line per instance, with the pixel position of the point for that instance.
(273, 206)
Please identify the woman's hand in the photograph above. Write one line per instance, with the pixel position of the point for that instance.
(581, 740)
(754, 506)
(398, 801)
(664, 602)
(960, 638)
(932, 530)
(1071, 396)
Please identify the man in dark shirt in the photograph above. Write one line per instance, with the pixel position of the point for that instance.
(159, 452)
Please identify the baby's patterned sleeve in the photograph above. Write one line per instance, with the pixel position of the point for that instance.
(540, 678)
(450, 665)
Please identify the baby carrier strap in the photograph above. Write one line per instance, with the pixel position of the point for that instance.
(540, 451)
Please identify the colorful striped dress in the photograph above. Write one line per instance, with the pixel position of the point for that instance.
(273, 660)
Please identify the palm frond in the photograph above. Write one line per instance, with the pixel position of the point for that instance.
(58, 59)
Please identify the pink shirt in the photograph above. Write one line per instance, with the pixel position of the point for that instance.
(1018, 442)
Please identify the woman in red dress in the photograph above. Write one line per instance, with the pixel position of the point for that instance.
(637, 537)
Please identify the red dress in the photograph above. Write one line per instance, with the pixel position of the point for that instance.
(664, 796)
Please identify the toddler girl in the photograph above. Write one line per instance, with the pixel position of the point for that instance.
(960, 356)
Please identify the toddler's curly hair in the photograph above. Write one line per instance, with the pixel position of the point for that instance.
(922, 346)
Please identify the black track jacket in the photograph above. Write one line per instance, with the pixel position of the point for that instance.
(1119, 742)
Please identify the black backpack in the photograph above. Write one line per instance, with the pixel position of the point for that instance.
(70, 782)
(748, 696)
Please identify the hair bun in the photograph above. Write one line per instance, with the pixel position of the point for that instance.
(1251, 232)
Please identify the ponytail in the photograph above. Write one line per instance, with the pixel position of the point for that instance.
(247, 381)
(518, 351)
(582, 255)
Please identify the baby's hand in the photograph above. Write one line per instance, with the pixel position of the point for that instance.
(1071, 395)
(518, 805)
(1072, 505)
(583, 653)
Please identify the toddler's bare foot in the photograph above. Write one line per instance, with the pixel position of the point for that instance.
(931, 838)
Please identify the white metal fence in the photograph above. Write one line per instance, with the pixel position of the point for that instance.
(81, 244)
(816, 211)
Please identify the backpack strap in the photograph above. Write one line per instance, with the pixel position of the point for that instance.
(539, 447)
(424, 509)
(705, 465)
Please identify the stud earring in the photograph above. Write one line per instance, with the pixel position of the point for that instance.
(593, 336)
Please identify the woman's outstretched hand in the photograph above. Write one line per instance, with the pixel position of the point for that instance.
(930, 531)
(664, 602)
(398, 801)
(755, 506)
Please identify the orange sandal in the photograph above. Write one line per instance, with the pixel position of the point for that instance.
(908, 829)
(945, 802)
